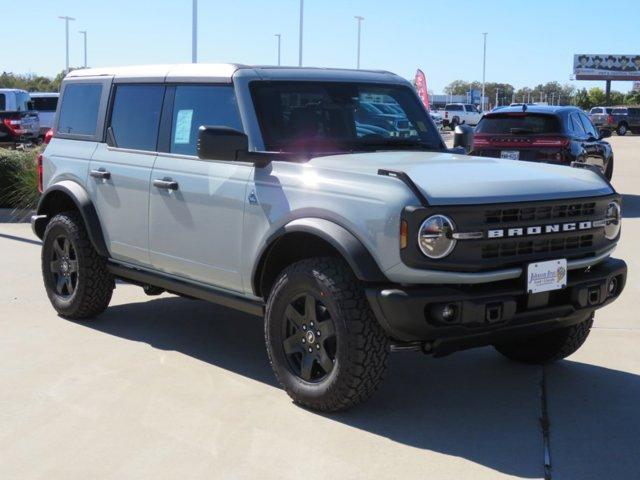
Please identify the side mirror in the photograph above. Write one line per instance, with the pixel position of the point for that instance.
(221, 143)
(463, 137)
(605, 133)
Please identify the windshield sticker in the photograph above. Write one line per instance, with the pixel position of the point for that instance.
(183, 127)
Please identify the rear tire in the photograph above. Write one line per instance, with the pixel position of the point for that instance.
(622, 129)
(325, 346)
(548, 347)
(75, 276)
(453, 124)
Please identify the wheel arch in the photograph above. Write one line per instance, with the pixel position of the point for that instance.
(69, 195)
(311, 237)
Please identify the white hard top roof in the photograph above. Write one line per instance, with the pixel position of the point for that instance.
(221, 72)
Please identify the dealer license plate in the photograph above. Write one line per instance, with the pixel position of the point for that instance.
(510, 154)
(546, 276)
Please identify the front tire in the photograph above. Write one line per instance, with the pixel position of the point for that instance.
(325, 346)
(75, 276)
(548, 347)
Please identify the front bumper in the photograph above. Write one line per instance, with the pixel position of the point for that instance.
(488, 313)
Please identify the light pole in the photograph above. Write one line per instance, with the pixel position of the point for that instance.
(484, 67)
(194, 33)
(66, 36)
(84, 34)
(279, 42)
(301, 29)
(359, 19)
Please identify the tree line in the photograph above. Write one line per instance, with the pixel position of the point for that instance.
(550, 92)
(31, 82)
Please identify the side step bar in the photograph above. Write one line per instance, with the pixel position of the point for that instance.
(134, 275)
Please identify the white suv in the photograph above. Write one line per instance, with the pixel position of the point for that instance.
(261, 189)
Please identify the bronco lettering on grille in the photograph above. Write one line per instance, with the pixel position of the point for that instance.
(539, 229)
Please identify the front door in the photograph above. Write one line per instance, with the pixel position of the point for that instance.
(196, 207)
(120, 173)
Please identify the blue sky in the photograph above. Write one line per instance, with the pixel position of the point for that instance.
(528, 43)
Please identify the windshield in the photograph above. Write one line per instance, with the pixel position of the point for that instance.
(518, 123)
(340, 117)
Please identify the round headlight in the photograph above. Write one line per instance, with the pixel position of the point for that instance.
(435, 236)
(612, 221)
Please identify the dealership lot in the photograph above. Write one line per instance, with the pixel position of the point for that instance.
(166, 387)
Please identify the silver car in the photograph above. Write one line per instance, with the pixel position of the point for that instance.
(256, 188)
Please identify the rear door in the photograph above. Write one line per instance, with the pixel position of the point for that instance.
(197, 206)
(120, 170)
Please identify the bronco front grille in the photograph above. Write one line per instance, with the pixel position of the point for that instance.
(529, 247)
(542, 212)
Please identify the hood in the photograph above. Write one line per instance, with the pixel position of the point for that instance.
(449, 179)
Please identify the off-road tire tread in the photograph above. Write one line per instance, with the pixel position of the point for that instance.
(549, 347)
(96, 290)
(368, 346)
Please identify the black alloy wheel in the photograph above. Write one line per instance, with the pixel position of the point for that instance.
(64, 267)
(309, 338)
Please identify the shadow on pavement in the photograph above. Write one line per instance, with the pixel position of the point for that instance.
(20, 239)
(475, 404)
(630, 206)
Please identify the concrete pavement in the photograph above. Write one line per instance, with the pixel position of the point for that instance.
(164, 387)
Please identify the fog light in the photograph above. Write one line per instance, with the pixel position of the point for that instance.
(448, 312)
(612, 288)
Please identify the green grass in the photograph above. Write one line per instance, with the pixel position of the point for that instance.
(19, 181)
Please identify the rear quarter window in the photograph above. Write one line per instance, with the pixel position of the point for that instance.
(79, 109)
(45, 104)
(508, 124)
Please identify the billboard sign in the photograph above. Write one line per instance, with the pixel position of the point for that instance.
(588, 66)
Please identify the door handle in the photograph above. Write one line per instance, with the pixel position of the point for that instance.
(166, 183)
(100, 173)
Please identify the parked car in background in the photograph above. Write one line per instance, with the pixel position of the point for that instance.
(18, 121)
(45, 103)
(368, 114)
(560, 135)
(600, 117)
(436, 117)
(625, 119)
(459, 113)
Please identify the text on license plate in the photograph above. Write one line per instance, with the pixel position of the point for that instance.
(510, 154)
(546, 276)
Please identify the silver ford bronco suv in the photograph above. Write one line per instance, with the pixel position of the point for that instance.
(279, 192)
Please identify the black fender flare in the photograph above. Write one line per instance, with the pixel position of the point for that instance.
(80, 197)
(348, 246)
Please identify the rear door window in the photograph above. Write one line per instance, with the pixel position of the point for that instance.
(576, 125)
(519, 124)
(135, 117)
(588, 126)
(198, 105)
(45, 104)
(79, 109)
